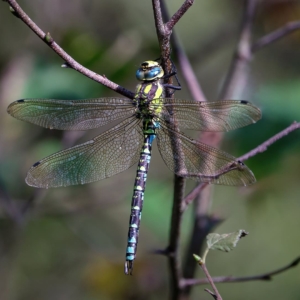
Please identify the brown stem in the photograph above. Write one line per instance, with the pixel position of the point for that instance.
(263, 147)
(216, 294)
(173, 248)
(178, 15)
(243, 51)
(193, 194)
(237, 75)
(275, 35)
(225, 279)
(259, 149)
(163, 33)
(235, 78)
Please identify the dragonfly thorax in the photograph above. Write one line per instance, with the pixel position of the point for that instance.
(148, 99)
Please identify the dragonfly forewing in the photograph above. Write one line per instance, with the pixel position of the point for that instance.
(71, 114)
(210, 116)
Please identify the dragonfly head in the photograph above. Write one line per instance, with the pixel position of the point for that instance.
(149, 70)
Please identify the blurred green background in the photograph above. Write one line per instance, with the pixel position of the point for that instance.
(69, 243)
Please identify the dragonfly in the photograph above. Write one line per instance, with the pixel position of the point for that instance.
(148, 116)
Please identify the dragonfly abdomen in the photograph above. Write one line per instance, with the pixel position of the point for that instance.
(138, 199)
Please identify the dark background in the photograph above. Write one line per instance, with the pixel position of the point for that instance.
(70, 243)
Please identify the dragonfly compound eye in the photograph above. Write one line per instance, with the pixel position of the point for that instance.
(149, 70)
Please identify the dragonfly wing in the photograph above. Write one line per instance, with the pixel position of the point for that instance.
(107, 154)
(192, 159)
(71, 114)
(210, 116)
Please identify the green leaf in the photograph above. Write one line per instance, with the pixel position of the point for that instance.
(224, 242)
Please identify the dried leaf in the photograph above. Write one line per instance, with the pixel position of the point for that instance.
(224, 242)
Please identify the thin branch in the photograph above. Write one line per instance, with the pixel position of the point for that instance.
(211, 293)
(164, 31)
(235, 78)
(225, 279)
(189, 198)
(186, 70)
(173, 248)
(259, 149)
(185, 65)
(178, 15)
(216, 293)
(159, 23)
(275, 35)
(237, 75)
(163, 34)
(263, 147)
(46, 37)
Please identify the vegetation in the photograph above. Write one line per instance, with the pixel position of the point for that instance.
(70, 242)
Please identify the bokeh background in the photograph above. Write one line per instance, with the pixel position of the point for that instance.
(69, 243)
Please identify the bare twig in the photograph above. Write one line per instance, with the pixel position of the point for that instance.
(216, 293)
(46, 37)
(237, 76)
(159, 22)
(163, 33)
(224, 279)
(185, 65)
(173, 251)
(210, 292)
(193, 194)
(176, 220)
(263, 147)
(178, 15)
(275, 35)
(259, 149)
(187, 71)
